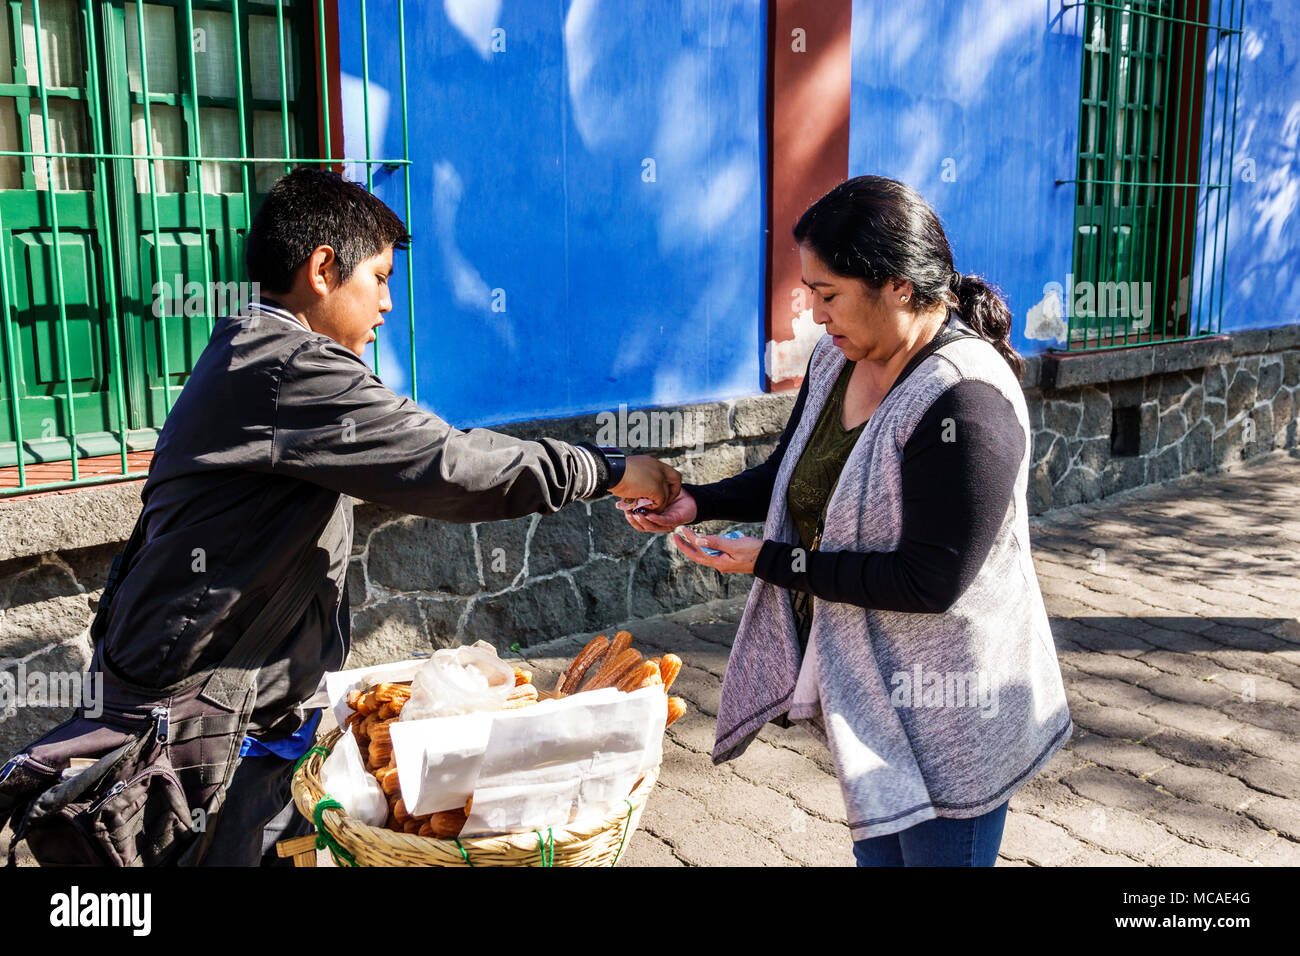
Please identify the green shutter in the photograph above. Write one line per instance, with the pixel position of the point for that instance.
(1144, 269)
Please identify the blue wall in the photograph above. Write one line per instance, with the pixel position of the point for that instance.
(1263, 236)
(975, 103)
(529, 178)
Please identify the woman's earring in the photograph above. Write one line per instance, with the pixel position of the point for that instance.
(902, 298)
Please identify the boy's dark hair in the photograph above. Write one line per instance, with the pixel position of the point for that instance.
(314, 207)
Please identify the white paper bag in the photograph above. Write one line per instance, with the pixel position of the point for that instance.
(438, 760)
(563, 761)
(345, 778)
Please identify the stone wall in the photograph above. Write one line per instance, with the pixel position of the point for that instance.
(1180, 408)
(416, 584)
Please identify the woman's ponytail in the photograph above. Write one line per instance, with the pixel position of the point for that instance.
(983, 308)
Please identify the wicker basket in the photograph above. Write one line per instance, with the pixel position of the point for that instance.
(600, 844)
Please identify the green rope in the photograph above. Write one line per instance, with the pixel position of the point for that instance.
(626, 826)
(462, 852)
(323, 838)
(314, 750)
(548, 859)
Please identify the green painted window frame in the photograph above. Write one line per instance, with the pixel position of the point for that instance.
(1154, 170)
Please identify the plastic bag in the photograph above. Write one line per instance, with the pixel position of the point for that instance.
(460, 680)
(345, 778)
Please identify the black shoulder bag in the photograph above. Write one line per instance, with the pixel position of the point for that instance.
(142, 783)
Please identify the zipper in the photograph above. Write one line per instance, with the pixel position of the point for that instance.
(160, 716)
(12, 764)
(112, 792)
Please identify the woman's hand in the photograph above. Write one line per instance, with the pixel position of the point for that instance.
(679, 511)
(738, 554)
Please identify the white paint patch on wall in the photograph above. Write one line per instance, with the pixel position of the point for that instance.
(1045, 322)
(789, 359)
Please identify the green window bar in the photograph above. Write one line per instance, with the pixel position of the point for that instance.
(1153, 187)
(136, 141)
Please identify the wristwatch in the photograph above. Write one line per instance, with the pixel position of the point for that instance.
(616, 461)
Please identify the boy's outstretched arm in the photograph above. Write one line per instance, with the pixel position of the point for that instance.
(337, 425)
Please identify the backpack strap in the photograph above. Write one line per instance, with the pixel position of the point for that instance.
(228, 683)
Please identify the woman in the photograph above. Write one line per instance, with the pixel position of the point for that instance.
(895, 612)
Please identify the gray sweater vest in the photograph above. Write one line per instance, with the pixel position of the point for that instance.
(925, 715)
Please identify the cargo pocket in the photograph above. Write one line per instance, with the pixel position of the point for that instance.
(143, 821)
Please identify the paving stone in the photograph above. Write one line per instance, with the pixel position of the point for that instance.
(1137, 759)
(1263, 713)
(1191, 718)
(1185, 664)
(1042, 795)
(1267, 743)
(1271, 776)
(1189, 854)
(799, 740)
(1274, 813)
(1090, 856)
(718, 843)
(669, 810)
(1195, 750)
(1114, 788)
(1281, 852)
(1062, 762)
(645, 850)
(1116, 693)
(1270, 665)
(812, 841)
(1116, 830)
(694, 731)
(1113, 721)
(1205, 786)
(794, 775)
(1187, 690)
(1036, 841)
(1211, 826)
(1256, 687)
(1132, 670)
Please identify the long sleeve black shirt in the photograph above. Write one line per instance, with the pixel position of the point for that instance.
(958, 474)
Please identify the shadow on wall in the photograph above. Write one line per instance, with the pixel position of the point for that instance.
(1263, 235)
(587, 183)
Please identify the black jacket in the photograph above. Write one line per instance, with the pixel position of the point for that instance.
(276, 427)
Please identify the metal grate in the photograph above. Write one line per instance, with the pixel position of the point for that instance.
(136, 140)
(1154, 176)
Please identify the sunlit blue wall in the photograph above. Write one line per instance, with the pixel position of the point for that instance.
(975, 103)
(529, 190)
(1263, 237)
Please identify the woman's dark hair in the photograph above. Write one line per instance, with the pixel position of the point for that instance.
(315, 207)
(877, 229)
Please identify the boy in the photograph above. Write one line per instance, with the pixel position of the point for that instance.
(278, 424)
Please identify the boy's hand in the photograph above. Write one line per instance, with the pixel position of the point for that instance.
(646, 477)
(681, 510)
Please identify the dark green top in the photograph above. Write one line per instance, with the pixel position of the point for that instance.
(814, 478)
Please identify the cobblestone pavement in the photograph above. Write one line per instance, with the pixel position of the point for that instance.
(1175, 613)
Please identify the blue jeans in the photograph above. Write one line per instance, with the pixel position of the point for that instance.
(942, 841)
